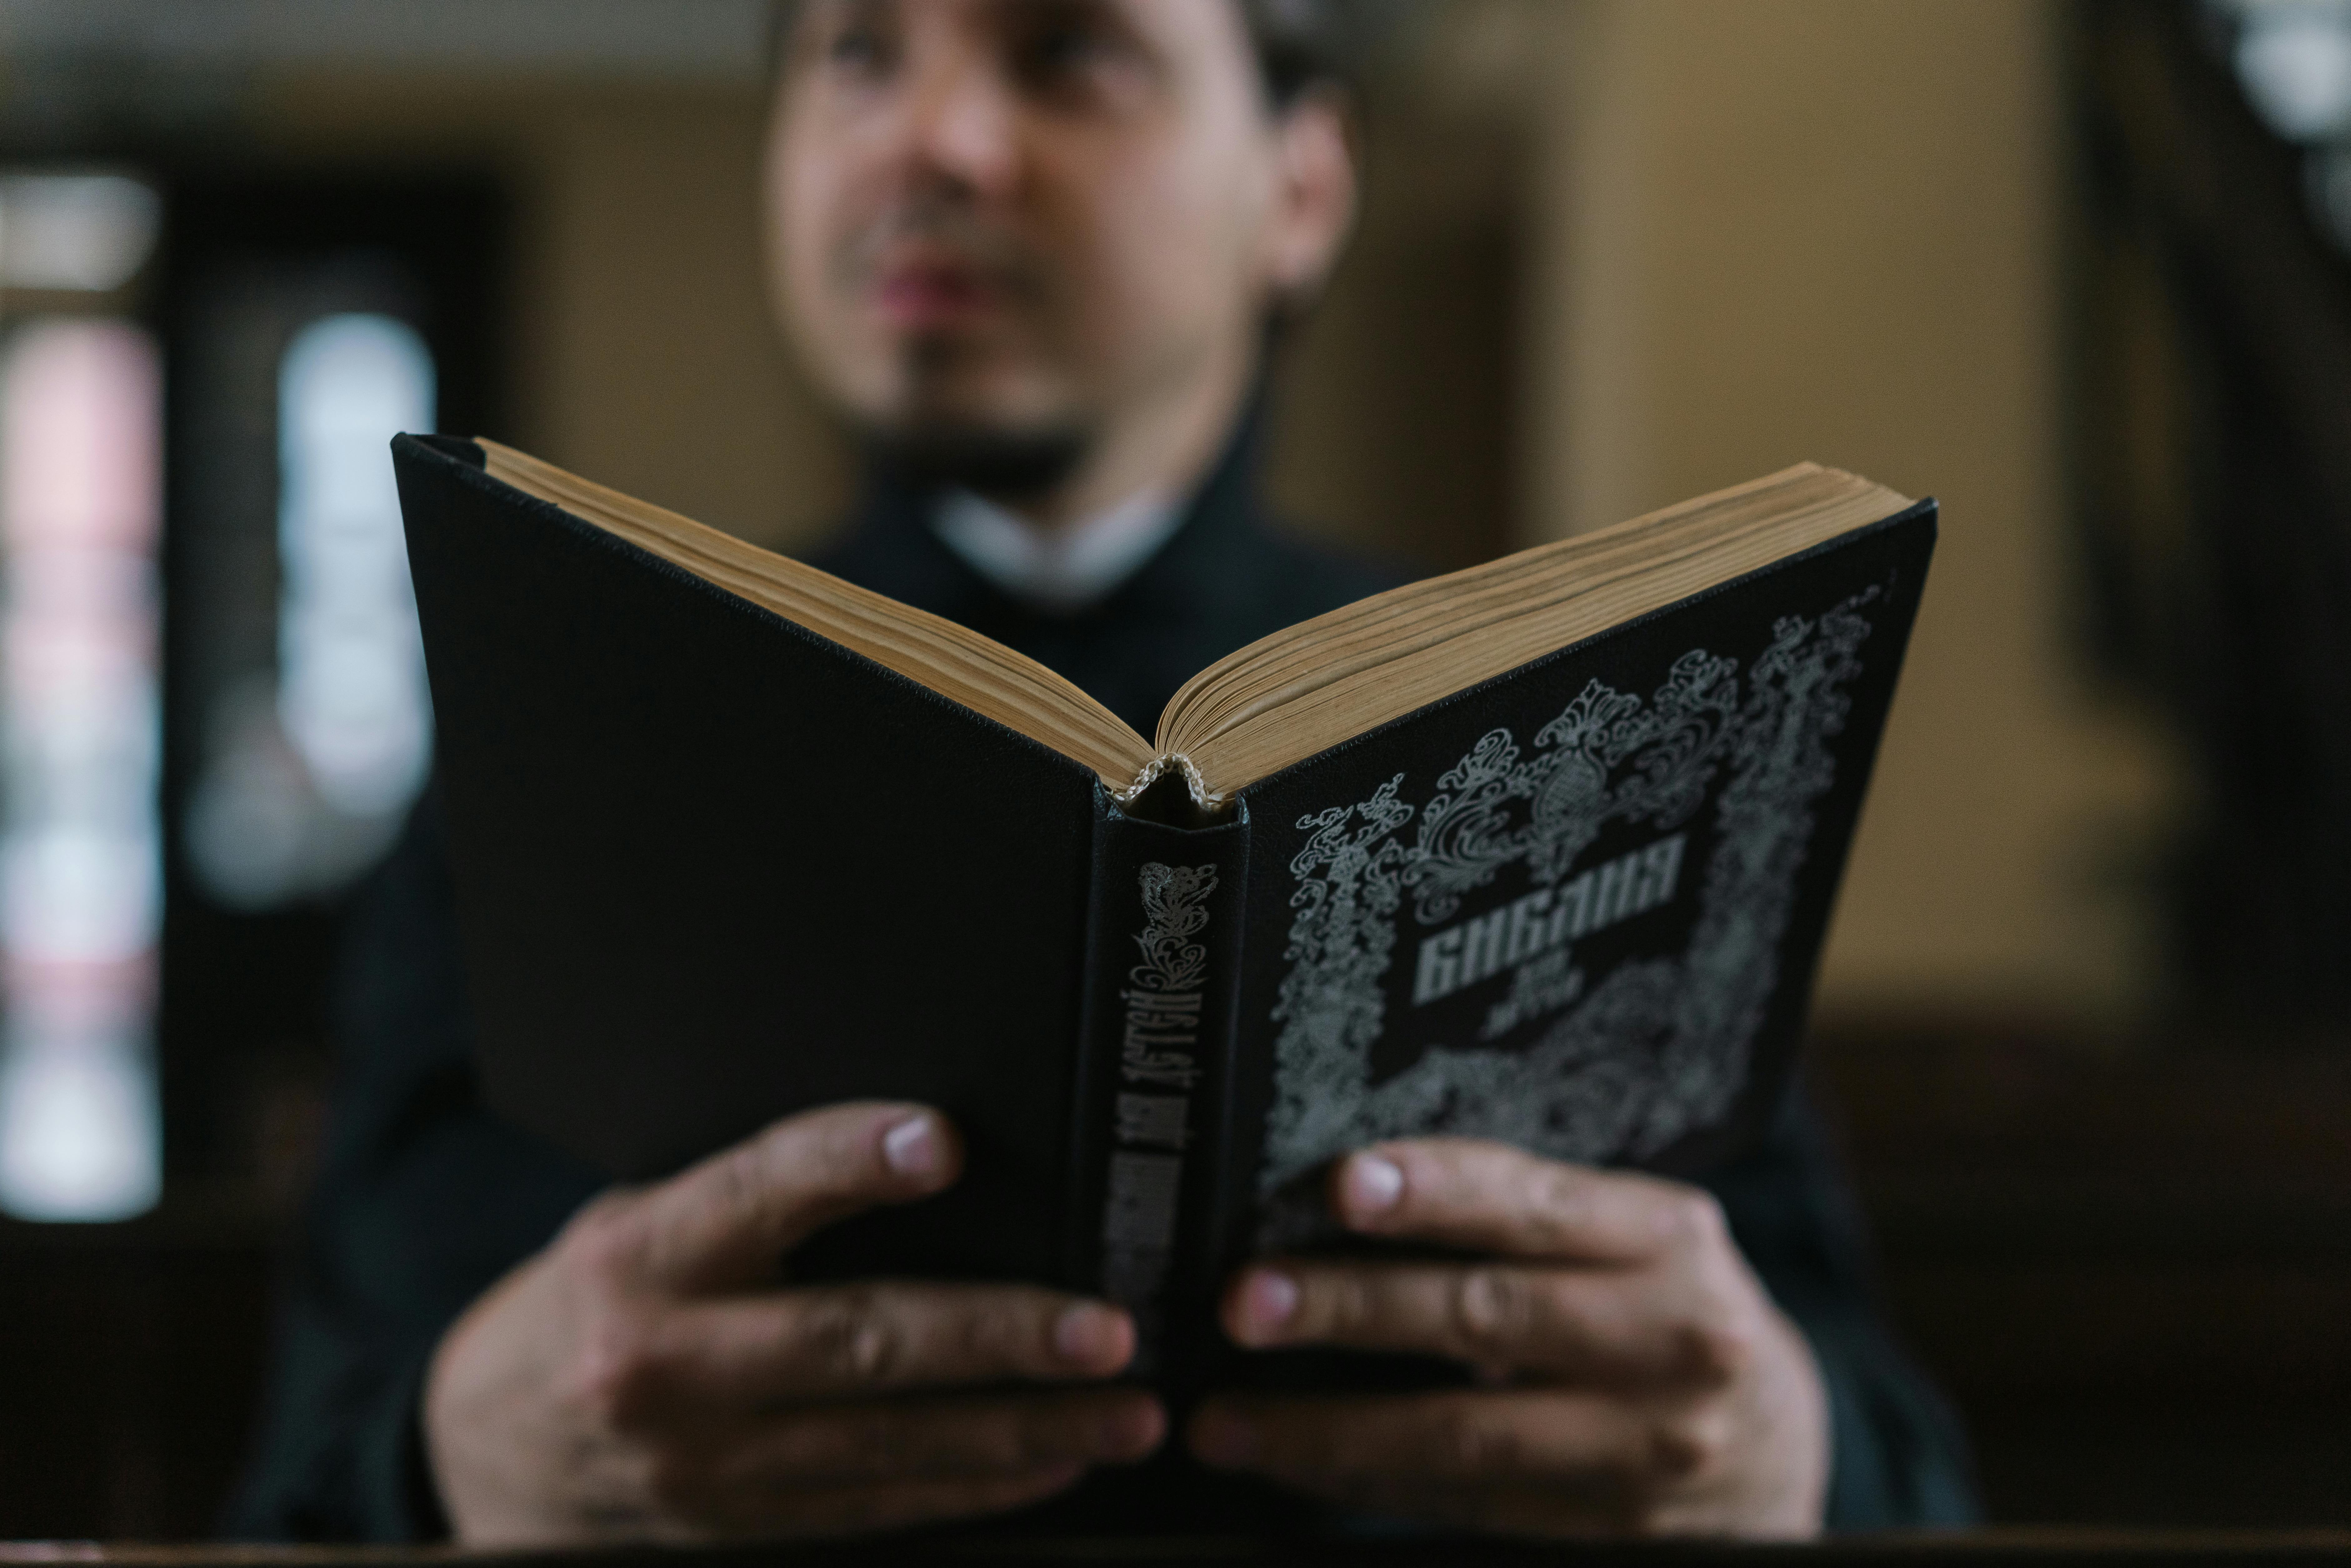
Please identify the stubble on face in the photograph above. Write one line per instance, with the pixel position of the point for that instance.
(968, 295)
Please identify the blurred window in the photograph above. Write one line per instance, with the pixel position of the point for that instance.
(80, 869)
(2293, 59)
(79, 232)
(316, 766)
(2210, 363)
(305, 317)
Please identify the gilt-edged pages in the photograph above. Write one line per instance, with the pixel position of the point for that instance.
(1303, 689)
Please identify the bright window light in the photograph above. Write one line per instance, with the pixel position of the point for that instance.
(80, 901)
(311, 776)
(2295, 62)
(351, 663)
(89, 231)
(78, 1134)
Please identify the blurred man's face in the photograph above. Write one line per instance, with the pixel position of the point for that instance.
(1013, 220)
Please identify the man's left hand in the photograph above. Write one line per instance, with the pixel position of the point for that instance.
(1633, 1374)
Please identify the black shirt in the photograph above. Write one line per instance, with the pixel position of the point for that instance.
(427, 1198)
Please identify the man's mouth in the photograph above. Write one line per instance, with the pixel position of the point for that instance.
(928, 295)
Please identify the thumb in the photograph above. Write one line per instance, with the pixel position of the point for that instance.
(726, 1222)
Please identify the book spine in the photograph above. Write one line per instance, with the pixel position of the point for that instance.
(1154, 1074)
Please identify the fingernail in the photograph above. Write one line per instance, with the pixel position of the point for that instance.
(1221, 1437)
(911, 1147)
(1092, 1334)
(1267, 1300)
(1372, 1184)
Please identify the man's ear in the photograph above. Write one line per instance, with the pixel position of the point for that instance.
(1314, 196)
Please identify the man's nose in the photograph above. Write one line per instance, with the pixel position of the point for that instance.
(965, 128)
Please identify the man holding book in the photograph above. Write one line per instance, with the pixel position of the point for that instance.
(1035, 250)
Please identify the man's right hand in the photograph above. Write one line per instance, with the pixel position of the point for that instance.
(647, 1376)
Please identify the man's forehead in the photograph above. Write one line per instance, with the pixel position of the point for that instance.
(1295, 46)
(1003, 13)
(1298, 45)
(1211, 35)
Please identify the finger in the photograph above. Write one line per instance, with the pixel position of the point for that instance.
(1591, 1444)
(1489, 1197)
(743, 1353)
(727, 1221)
(1615, 1329)
(787, 1513)
(944, 1440)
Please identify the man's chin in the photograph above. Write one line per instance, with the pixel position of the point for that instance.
(1003, 463)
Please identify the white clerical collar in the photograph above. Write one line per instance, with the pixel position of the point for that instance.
(1060, 570)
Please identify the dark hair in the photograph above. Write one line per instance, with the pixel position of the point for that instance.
(1300, 45)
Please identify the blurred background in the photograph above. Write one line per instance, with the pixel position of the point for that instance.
(2079, 268)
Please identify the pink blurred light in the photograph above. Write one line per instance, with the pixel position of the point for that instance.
(80, 514)
(83, 464)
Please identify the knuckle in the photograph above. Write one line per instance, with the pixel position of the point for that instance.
(615, 1372)
(1554, 1190)
(874, 1351)
(1697, 1218)
(1717, 1353)
(738, 1183)
(1687, 1444)
(1492, 1310)
(1560, 1203)
(601, 1239)
(850, 1338)
(1021, 1340)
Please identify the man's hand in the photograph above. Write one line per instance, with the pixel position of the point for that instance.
(646, 1377)
(1633, 1375)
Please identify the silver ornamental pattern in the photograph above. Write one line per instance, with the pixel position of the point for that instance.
(1657, 1047)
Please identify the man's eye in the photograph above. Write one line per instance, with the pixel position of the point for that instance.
(862, 50)
(1059, 54)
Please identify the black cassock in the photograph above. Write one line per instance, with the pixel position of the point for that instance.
(427, 1198)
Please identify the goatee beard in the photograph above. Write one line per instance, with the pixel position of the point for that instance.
(1007, 466)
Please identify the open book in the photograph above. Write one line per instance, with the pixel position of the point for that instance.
(1540, 850)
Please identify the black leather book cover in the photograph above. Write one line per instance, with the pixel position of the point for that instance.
(1577, 908)
(713, 869)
